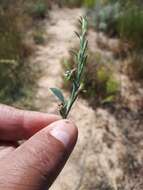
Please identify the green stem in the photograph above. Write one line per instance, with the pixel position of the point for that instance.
(70, 105)
(81, 58)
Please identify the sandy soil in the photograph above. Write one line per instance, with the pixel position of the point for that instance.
(109, 152)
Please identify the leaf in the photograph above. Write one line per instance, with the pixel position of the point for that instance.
(77, 34)
(80, 21)
(57, 92)
(84, 24)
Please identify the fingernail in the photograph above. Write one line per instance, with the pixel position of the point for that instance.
(61, 133)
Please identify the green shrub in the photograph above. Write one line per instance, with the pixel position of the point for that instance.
(77, 3)
(16, 74)
(112, 86)
(38, 37)
(105, 17)
(121, 18)
(89, 3)
(37, 9)
(131, 26)
(99, 82)
(13, 79)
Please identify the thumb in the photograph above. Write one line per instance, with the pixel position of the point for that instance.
(37, 162)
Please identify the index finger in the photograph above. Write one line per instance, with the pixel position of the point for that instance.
(16, 124)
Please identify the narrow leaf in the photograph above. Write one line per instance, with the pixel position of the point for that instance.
(80, 21)
(77, 34)
(57, 92)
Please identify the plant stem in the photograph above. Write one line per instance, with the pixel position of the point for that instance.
(81, 58)
(75, 75)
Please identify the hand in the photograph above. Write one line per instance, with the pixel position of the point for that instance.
(35, 164)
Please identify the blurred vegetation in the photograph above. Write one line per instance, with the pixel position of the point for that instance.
(76, 3)
(130, 26)
(17, 77)
(72, 3)
(37, 9)
(100, 83)
(123, 20)
(119, 18)
(104, 16)
(116, 18)
(135, 66)
(38, 37)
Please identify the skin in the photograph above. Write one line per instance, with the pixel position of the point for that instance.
(35, 164)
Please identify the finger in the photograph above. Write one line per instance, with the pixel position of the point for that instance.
(37, 162)
(6, 148)
(18, 124)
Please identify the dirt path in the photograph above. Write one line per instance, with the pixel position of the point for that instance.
(105, 142)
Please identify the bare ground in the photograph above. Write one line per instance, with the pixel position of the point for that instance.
(109, 152)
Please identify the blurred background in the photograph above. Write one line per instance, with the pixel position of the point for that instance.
(36, 37)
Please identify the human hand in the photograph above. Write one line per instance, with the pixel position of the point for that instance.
(35, 164)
